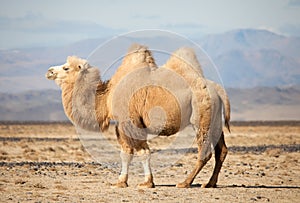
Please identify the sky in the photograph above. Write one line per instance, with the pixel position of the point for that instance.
(52, 23)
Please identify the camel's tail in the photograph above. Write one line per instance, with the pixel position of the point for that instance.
(225, 100)
(138, 54)
(184, 61)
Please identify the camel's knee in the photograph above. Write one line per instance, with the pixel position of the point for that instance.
(204, 152)
(204, 158)
(126, 157)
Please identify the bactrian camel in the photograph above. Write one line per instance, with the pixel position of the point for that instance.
(144, 99)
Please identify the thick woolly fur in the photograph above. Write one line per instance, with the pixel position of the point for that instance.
(185, 63)
(144, 99)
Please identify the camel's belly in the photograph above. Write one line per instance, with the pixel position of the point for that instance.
(160, 111)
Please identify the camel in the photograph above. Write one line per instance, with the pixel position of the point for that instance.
(144, 99)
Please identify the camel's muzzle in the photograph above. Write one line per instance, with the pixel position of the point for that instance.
(51, 75)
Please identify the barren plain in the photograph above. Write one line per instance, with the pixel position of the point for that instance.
(47, 162)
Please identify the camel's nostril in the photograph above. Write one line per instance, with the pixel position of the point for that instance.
(51, 71)
(51, 74)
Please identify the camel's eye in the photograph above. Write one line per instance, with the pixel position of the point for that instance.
(66, 68)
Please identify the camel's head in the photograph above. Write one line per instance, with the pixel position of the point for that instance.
(68, 72)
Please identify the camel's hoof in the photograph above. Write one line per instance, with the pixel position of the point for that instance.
(119, 185)
(146, 185)
(183, 185)
(209, 185)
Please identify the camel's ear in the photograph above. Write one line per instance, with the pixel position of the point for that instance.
(83, 66)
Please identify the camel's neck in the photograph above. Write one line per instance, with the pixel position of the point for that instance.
(85, 102)
(67, 92)
(102, 111)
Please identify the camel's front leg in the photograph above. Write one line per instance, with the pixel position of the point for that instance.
(126, 158)
(145, 155)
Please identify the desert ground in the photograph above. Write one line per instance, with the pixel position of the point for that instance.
(49, 162)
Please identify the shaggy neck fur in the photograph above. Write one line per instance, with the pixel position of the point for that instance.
(66, 95)
(85, 100)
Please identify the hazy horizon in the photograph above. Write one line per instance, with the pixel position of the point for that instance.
(45, 23)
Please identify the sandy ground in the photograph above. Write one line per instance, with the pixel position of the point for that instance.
(48, 162)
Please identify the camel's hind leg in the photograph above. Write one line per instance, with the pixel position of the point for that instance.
(220, 155)
(204, 154)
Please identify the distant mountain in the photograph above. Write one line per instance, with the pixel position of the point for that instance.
(250, 39)
(259, 103)
(245, 58)
(265, 103)
(248, 58)
(32, 105)
(24, 69)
